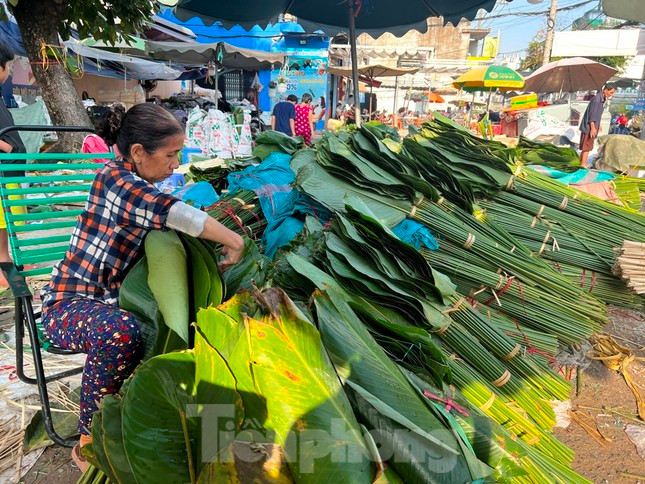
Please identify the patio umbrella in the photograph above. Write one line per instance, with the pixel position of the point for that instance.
(333, 16)
(371, 72)
(433, 97)
(489, 78)
(569, 75)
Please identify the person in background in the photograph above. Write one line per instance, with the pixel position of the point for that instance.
(106, 127)
(284, 116)
(80, 304)
(9, 143)
(305, 119)
(590, 124)
(621, 123)
(339, 109)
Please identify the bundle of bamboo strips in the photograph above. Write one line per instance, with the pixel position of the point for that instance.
(630, 265)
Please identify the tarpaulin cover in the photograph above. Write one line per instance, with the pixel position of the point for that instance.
(621, 152)
(415, 234)
(284, 208)
(33, 115)
(579, 177)
(200, 194)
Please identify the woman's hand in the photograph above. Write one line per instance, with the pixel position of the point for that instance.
(233, 254)
(233, 243)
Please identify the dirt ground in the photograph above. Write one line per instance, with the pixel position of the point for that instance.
(600, 388)
(54, 467)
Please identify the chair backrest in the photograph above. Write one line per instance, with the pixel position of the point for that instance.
(42, 207)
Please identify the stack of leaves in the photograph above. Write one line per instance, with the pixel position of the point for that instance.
(628, 191)
(586, 261)
(268, 373)
(491, 254)
(469, 241)
(269, 141)
(530, 152)
(413, 340)
(216, 173)
(572, 208)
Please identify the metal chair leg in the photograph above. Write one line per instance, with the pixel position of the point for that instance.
(40, 381)
(32, 329)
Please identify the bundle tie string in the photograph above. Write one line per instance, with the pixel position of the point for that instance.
(450, 403)
(502, 380)
(455, 307)
(546, 239)
(441, 330)
(530, 349)
(496, 295)
(488, 403)
(512, 354)
(469, 241)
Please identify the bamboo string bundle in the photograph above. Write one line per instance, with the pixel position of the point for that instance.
(630, 265)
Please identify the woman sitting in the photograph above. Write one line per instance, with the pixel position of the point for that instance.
(80, 310)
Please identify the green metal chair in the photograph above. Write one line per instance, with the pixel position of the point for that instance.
(36, 243)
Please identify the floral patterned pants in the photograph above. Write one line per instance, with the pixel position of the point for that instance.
(108, 335)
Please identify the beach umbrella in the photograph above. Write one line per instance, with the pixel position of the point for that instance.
(489, 79)
(569, 75)
(374, 17)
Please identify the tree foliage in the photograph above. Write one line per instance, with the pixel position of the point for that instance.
(108, 21)
(534, 53)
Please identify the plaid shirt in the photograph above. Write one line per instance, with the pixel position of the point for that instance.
(121, 209)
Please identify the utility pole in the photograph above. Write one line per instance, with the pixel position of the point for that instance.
(550, 28)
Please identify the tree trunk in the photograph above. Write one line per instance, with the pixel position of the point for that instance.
(38, 21)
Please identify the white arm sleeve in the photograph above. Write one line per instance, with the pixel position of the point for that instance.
(186, 219)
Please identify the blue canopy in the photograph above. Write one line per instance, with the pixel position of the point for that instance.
(268, 38)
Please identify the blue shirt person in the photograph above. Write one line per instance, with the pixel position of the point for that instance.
(284, 115)
(590, 123)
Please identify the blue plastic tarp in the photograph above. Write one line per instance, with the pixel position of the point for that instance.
(284, 208)
(415, 234)
(578, 177)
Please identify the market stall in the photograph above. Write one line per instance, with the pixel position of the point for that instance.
(488, 79)
(371, 73)
(333, 17)
(568, 76)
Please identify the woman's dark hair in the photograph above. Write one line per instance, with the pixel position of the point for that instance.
(322, 102)
(149, 125)
(306, 98)
(6, 54)
(108, 123)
